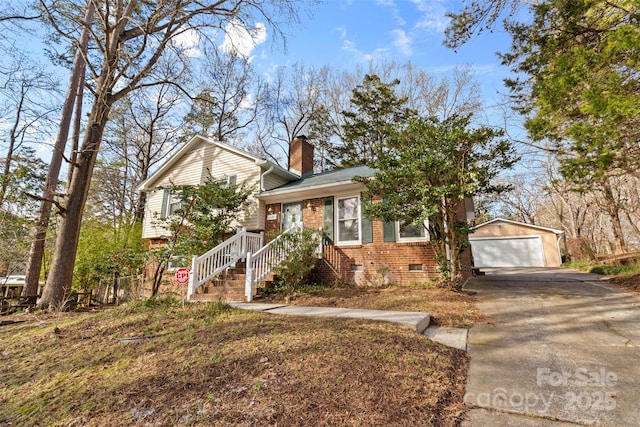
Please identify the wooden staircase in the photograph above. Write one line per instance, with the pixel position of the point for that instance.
(232, 270)
(226, 286)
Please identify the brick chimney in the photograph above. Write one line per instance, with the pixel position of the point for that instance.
(301, 156)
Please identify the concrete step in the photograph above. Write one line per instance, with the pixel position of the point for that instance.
(225, 293)
(234, 283)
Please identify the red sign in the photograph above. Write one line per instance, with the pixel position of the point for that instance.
(182, 275)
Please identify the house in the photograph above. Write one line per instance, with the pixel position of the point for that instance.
(354, 249)
(199, 159)
(505, 243)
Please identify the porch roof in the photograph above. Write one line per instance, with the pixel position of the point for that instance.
(318, 185)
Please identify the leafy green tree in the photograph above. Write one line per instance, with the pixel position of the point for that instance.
(206, 213)
(376, 113)
(14, 243)
(428, 171)
(302, 249)
(475, 17)
(107, 252)
(20, 184)
(580, 61)
(22, 181)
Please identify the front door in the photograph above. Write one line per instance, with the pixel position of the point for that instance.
(291, 214)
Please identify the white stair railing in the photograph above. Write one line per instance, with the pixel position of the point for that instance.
(261, 263)
(223, 256)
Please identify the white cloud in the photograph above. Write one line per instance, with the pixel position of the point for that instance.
(394, 10)
(188, 41)
(433, 15)
(350, 46)
(241, 39)
(402, 41)
(248, 102)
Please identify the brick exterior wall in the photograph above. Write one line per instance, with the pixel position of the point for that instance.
(375, 263)
(273, 221)
(301, 156)
(378, 263)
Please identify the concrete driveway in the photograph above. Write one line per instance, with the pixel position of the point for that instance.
(561, 349)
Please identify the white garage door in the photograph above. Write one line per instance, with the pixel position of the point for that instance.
(508, 252)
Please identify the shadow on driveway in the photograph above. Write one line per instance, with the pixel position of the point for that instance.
(561, 348)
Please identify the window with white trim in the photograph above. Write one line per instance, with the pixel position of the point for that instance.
(172, 205)
(348, 220)
(407, 232)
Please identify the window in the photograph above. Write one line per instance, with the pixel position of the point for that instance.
(407, 232)
(348, 220)
(231, 180)
(170, 203)
(173, 204)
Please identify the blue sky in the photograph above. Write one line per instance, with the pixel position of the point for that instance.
(344, 33)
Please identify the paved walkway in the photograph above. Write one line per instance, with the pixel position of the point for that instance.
(452, 337)
(562, 349)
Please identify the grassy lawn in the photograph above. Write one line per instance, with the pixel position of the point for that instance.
(209, 364)
(627, 276)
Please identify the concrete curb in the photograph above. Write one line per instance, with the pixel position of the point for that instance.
(451, 337)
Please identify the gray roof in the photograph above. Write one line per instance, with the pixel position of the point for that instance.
(324, 179)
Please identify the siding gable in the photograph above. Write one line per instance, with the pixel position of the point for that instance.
(194, 167)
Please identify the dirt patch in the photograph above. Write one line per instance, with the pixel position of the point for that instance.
(210, 365)
(631, 282)
(446, 307)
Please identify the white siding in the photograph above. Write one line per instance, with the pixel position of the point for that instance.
(272, 180)
(151, 215)
(193, 168)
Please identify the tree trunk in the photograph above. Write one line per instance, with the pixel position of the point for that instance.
(12, 143)
(58, 284)
(157, 278)
(73, 152)
(620, 246)
(39, 232)
(142, 201)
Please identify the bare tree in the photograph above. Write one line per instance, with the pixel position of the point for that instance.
(290, 102)
(39, 232)
(143, 131)
(22, 85)
(127, 41)
(230, 96)
(426, 94)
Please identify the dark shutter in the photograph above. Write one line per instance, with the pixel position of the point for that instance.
(328, 221)
(389, 231)
(365, 225)
(165, 201)
(367, 230)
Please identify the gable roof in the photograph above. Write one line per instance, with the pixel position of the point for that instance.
(148, 184)
(524, 224)
(318, 185)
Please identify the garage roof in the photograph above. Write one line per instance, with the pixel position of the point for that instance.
(524, 224)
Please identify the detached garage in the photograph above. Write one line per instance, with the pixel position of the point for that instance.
(505, 243)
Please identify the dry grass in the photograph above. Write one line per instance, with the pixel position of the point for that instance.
(446, 307)
(629, 282)
(210, 365)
